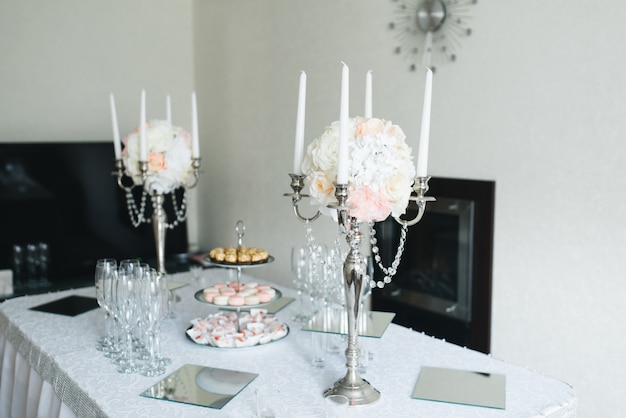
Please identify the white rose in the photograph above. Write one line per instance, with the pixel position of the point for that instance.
(396, 188)
(321, 188)
(324, 151)
(380, 165)
(170, 141)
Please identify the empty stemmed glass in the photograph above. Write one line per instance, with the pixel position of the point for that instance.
(299, 272)
(136, 297)
(105, 272)
(317, 276)
(335, 295)
(126, 305)
(154, 301)
(140, 332)
(309, 264)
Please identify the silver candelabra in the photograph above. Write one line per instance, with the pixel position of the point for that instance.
(159, 217)
(358, 390)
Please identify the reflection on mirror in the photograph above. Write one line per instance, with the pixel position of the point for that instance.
(199, 385)
(335, 321)
(461, 386)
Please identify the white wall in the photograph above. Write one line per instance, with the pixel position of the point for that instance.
(533, 102)
(61, 59)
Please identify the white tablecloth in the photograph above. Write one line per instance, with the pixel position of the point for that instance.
(50, 367)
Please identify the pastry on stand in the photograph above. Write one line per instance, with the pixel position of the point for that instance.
(237, 329)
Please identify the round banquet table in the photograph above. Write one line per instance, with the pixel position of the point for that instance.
(50, 367)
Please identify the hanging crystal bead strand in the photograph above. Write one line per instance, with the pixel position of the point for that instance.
(136, 215)
(310, 239)
(391, 271)
(181, 214)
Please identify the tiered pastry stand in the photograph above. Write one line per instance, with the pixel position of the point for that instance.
(240, 229)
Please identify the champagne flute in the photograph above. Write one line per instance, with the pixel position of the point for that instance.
(105, 269)
(140, 344)
(299, 272)
(126, 306)
(317, 276)
(154, 300)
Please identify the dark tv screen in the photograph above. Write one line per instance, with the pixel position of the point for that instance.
(63, 194)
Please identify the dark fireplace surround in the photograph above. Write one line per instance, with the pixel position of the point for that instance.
(444, 281)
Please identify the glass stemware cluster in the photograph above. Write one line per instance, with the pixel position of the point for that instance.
(317, 277)
(134, 297)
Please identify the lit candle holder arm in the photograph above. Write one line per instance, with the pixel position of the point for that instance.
(420, 186)
(121, 174)
(297, 184)
(195, 165)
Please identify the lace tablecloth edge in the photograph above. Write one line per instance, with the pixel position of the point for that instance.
(66, 389)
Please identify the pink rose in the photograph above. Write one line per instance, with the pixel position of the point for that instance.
(156, 161)
(322, 188)
(369, 205)
(370, 127)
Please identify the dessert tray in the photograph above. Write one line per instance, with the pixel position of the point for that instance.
(235, 295)
(237, 330)
(207, 261)
(239, 256)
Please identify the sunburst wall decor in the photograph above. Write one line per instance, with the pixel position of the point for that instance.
(430, 31)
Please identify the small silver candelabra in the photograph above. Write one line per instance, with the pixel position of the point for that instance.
(358, 390)
(159, 217)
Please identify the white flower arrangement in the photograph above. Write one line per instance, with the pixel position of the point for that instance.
(169, 157)
(380, 174)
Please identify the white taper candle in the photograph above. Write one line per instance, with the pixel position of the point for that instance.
(422, 153)
(117, 145)
(344, 111)
(368, 94)
(143, 146)
(195, 140)
(300, 117)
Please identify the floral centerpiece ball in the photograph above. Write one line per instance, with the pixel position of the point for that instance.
(169, 157)
(380, 173)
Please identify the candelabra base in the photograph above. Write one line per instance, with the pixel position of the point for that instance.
(358, 390)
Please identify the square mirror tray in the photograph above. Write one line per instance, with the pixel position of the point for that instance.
(70, 305)
(199, 385)
(461, 386)
(335, 321)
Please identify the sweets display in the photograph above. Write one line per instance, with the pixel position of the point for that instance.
(220, 329)
(240, 255)
(236, 294)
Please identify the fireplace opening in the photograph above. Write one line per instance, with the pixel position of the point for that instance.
(443, 283)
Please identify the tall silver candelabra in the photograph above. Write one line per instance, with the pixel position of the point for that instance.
(358, 390)
(159, 217)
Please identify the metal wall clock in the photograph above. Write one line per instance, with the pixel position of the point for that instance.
(430, 31)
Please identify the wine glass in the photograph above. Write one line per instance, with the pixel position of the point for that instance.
(317, 276)
(140, 341)
(106, 268)
(336, 291)
(154, 299)
(299, 273)
(129, 266)
(126, 305)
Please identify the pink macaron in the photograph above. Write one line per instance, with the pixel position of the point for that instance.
(264, 296)
(236, 300)
(228, 291)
